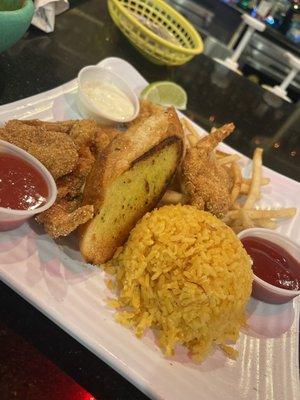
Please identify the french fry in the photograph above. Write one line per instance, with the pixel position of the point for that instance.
(191, 134)
(256, 179)
(189, 127)
(241, 215)
(262, 214)
(266, 223)
(245, 187)
(264, 181)
(185, 133)
(227, 219)
(237, 182)
(173, 197)
(254, 190)
(221, 154)
(237, 227)
(192, 140)
(228, 159)
(246, 220)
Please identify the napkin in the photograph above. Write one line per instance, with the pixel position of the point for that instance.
(45, 12)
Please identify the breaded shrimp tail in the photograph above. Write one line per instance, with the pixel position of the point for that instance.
(212, 140)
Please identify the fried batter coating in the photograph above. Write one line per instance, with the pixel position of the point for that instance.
(83, 132)
(103, 137)
(64, 217)
(68, 149)
(67, 213)
(58, 126)
(71, 184)
(55, 150)
(87, 136)
(206, 183)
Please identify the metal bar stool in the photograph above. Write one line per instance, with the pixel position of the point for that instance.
(281, 90)
(253, 25)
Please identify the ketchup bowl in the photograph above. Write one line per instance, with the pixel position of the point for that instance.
(15, 160)
(289, 254)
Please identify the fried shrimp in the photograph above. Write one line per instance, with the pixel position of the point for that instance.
(87, 140)
(206, 182)
(64, 217)
(56, 150)
(71, 184)
(83, 132)
(57, 126)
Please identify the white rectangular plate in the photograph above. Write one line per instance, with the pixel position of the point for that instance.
(52, 277)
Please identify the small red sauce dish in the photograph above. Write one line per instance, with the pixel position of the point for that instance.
(276, 265)
(26, 186)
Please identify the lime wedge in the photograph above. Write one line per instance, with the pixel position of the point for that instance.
(165, 93)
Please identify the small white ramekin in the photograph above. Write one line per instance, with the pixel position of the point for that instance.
(11, 219)
(262, 290)
(87, 108)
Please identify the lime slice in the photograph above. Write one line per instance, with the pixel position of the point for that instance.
(165, 93)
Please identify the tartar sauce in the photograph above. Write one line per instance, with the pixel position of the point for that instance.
(108, 98)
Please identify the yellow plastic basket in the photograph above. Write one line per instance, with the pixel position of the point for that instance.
(158, 31)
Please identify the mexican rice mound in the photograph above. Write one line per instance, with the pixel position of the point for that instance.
(186, 274)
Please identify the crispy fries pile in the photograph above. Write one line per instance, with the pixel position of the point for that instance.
(244, 193)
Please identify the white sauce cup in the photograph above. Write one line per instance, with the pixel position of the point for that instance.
(86, 106)
(11, 219)
(261, 289)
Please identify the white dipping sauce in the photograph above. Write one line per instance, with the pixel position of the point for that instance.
(109, 99)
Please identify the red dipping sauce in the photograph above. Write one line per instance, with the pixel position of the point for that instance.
(272, 263)
(22, 187)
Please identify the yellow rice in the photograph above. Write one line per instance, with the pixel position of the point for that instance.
(186, 274)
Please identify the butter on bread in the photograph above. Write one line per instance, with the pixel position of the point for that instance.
(128, 180)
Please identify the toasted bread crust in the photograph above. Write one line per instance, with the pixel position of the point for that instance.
(139, 143)
(105, 251)
(125, 149)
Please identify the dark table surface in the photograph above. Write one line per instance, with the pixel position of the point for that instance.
(37, 359)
